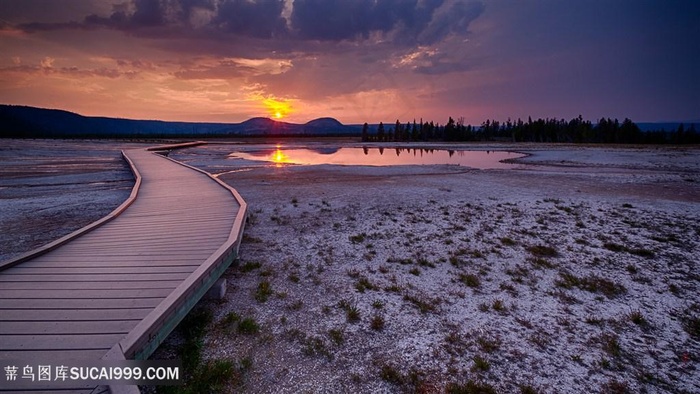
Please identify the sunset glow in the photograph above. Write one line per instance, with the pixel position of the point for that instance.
(293, 61)
(277, 109)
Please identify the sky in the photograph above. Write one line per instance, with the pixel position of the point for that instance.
(354, 60)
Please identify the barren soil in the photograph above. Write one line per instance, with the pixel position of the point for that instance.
(49, 188)
(575, 273)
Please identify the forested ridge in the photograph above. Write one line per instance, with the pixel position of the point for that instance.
(576, 130)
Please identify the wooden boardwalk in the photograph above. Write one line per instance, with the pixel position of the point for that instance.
(120, 286)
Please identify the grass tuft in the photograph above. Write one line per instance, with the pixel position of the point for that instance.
(470, 280)
(543, 251)
(248, 326)
(263, 292)
(470, 387)
(480, 364)
(359, 238)
(377, 322)
(337, 336)
(249, 266)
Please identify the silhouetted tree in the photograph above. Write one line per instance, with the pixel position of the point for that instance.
(380, 132)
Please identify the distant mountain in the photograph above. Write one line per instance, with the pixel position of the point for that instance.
(30, 122)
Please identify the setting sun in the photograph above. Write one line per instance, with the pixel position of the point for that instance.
(277, 109)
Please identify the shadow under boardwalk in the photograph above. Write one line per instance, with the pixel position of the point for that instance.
(126, 283)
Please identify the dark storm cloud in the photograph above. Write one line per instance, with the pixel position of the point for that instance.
(407, 22)
(452, 19)
(262, 19)
(172, 19)
(410, 21)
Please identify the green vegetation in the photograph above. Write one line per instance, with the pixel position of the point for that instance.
(642, 252)
(315, 346)
(543, 251)
(423, 305)
(248, 326)
(691, 320)
(412, 382)
(249, 266)
(611, 345)
(637, 318)
(337, 336)
(211, 375)
(359, 238)
(377, 322)
(263, 292)
(351, 311)
(470, 387)
(480, 364)
(363, 284)
(499, 306)
(591, 283)
(507, 241)
(470, 280)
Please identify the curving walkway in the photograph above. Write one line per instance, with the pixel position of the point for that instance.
(116, 289)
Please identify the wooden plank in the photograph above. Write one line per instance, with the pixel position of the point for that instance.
(161, 225)
(101, 277)
(125, 250)
(53, 357)
(58, 341)
(117, 260)
(68, 327)
(187, 212)
(33, 315)
(194, 234)
(89, 303)
(71, 387)
(164, 228)
(79, 262)
(81, 294)
(96, 270)
(123, 287)
(118, 250)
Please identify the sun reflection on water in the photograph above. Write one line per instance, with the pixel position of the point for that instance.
(279, 157)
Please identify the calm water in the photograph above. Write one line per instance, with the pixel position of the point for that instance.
(380, 157)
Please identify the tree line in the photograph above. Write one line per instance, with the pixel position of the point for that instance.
(576, 130)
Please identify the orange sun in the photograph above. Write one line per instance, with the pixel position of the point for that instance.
(277, 109)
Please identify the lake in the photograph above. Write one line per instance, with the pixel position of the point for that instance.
(380, 157)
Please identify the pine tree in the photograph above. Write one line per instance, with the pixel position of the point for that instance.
(380, 132)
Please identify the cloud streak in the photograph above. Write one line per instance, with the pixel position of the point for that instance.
(406, 22)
